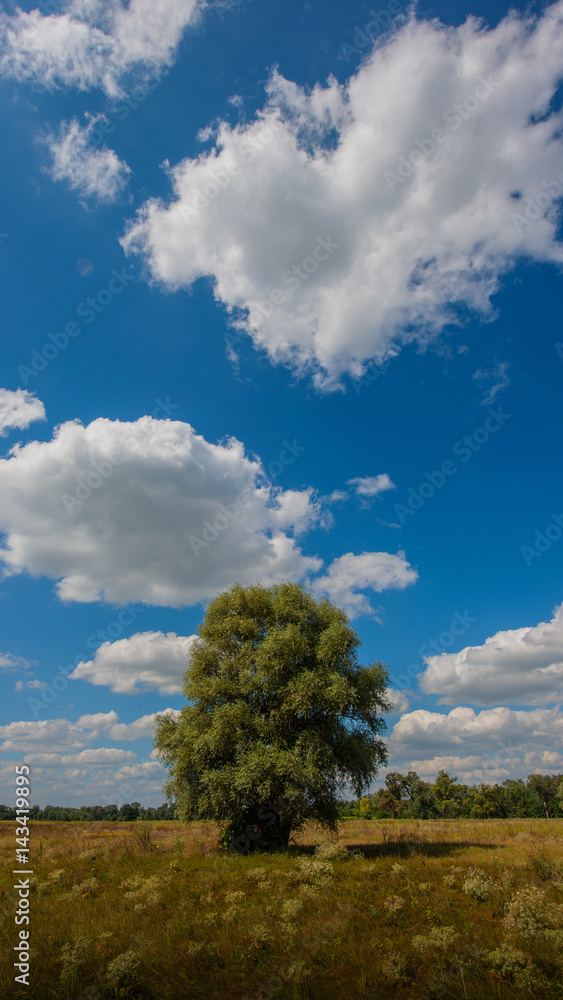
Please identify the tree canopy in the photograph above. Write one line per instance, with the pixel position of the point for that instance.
(280, 718)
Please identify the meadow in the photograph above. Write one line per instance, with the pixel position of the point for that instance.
(391, 908)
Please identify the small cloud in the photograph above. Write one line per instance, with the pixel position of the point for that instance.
(371, 486)
(19, 408)
(348, 575)
(494, 380)
(97, 173)
(14, 664)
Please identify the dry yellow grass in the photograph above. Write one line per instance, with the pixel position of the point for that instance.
(457, 909)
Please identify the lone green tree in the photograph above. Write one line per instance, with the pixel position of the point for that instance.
(280, 717)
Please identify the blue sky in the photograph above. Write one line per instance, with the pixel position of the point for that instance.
(281, 299)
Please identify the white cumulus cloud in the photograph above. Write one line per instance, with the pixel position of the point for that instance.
(94, 173)
(60, 736)
(19, 408)
(348, 575)
(146, 661)
(520, 666)
(94, 43)
(346, 220)
(150, 511)
(146, 511)
(491, 745)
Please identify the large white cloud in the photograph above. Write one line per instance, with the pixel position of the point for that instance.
(19, 408)
(348, 575)
(145, 661)
(317, 245)
(150, 511)
(93, 43)
(146, 511)
(520, 666)
(97, 173)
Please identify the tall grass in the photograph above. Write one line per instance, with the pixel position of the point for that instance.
(462, 909)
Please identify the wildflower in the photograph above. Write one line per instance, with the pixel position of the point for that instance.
(393, 968)
(123, 972)
(394, 903)
(317, 872)
(478, 884)
(331, 850)
(527, 913)
(71, 957)
(437, 937)
(256, 874)
(290, 909)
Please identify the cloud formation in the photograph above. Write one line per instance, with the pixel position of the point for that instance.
(94, 173)
(150, 511)
(60, 736)
(146, 661)
(19, 408)
(85, 44)
(146, 511)
(346, 220)
(348, 575)
(519, 666)
(371, 486)
(490, 745)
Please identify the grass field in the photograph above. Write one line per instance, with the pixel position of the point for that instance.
(448, 908)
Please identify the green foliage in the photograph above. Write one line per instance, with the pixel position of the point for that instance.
(409, 796)
(280, 717)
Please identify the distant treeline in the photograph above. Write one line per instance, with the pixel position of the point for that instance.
(404, 796)
(128, 812)
(407, 795)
